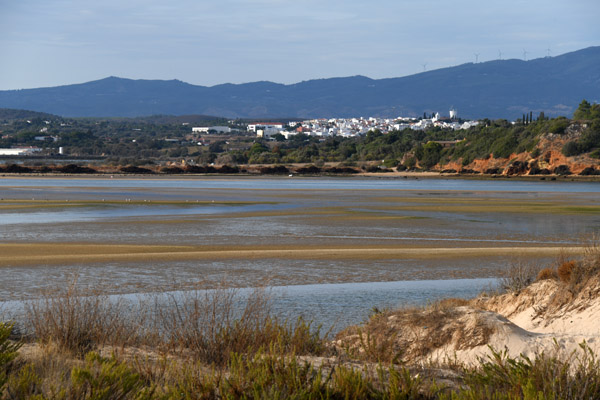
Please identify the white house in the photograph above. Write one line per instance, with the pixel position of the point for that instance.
(206, 129)
(22, 151)
(264, 125)
(267, 131)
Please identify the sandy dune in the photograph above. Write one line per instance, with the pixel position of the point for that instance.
(548, 316)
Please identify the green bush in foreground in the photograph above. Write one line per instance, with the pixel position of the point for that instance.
(104, 379)
(8, 352)
(543, 377)
(275, 374)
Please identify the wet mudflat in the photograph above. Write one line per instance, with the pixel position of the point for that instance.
(139, 235)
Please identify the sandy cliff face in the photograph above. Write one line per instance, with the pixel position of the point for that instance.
(548, 157)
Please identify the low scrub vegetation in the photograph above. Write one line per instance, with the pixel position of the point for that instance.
(223, 343)
(547, 376)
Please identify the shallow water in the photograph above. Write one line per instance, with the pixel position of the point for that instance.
(332, 307)
(276, 183)
(297, 212)
(124, 211)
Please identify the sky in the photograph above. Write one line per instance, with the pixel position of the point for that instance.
(203, 42)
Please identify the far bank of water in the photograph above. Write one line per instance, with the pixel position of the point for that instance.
(342, 183)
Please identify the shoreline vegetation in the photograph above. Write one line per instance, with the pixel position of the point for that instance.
(517, 342)
(541, 149)
(330, 169)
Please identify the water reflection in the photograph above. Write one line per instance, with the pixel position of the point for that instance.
(124, 211)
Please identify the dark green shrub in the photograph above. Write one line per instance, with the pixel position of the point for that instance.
(589, 171)
(76, 169)
(493, 171)
(547, 376)
(558, 125)
(107, 379)
(8, 351)
(571, 148)
(16, 169)
(431, 154)
(171, 170)
(228, 169)
(311, 169)
(562, 170)
(132, 169)
(343, 170)
(274, 170)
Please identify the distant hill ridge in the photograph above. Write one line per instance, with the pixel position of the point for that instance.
(493, 89)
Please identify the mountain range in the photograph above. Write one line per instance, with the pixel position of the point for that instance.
(493, 89)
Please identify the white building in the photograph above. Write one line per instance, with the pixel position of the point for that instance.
(22, 151)
(264, 125)
(267, 131)
(206, 129)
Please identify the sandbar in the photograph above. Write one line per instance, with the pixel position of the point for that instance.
(24, 254)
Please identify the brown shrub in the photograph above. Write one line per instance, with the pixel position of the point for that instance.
(565, 271)
(211, 325)
(547, 273)
(451, 302)
(79, 320)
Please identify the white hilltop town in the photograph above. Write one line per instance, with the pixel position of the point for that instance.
(320, 128)
(349, 127)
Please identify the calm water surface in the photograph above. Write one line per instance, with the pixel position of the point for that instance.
(292, 211)
(311, 183)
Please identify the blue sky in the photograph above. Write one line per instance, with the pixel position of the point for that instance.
(49, 43)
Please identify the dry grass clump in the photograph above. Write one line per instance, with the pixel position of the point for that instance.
(546, 274)
(588, 267)
(410, 334)
(519, 275)
(207, 326)
(451, 302)
(211, 325)
(79, 320)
